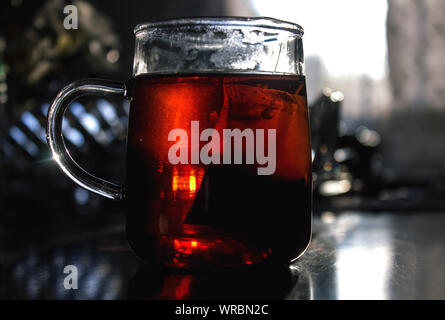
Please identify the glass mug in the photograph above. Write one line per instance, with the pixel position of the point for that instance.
(218, 148)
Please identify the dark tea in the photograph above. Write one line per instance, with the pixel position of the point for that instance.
(251, 202)
(219, 156)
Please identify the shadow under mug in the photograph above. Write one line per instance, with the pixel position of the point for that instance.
(218, 148)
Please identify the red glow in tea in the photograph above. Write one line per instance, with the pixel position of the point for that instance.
(227, 214)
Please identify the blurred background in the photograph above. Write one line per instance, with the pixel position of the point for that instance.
(377, 109)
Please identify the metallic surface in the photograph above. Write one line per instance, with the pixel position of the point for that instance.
(353, 255)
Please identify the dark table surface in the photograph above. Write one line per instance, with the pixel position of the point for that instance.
(353, 255)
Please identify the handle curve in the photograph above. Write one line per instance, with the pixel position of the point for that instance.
(56, 142)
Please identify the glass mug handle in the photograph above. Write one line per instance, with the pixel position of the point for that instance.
(56, 142)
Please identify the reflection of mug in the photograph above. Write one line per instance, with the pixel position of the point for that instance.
(218, 161)
(255, 283)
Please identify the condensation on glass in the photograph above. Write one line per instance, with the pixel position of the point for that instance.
(219, 44)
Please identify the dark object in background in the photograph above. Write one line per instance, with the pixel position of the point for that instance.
(40, 56)
(343, 162)
(348, 167)
(324, 118)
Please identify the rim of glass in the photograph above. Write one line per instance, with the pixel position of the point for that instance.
(259, 22)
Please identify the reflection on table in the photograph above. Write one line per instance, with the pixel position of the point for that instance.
(352, 256)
